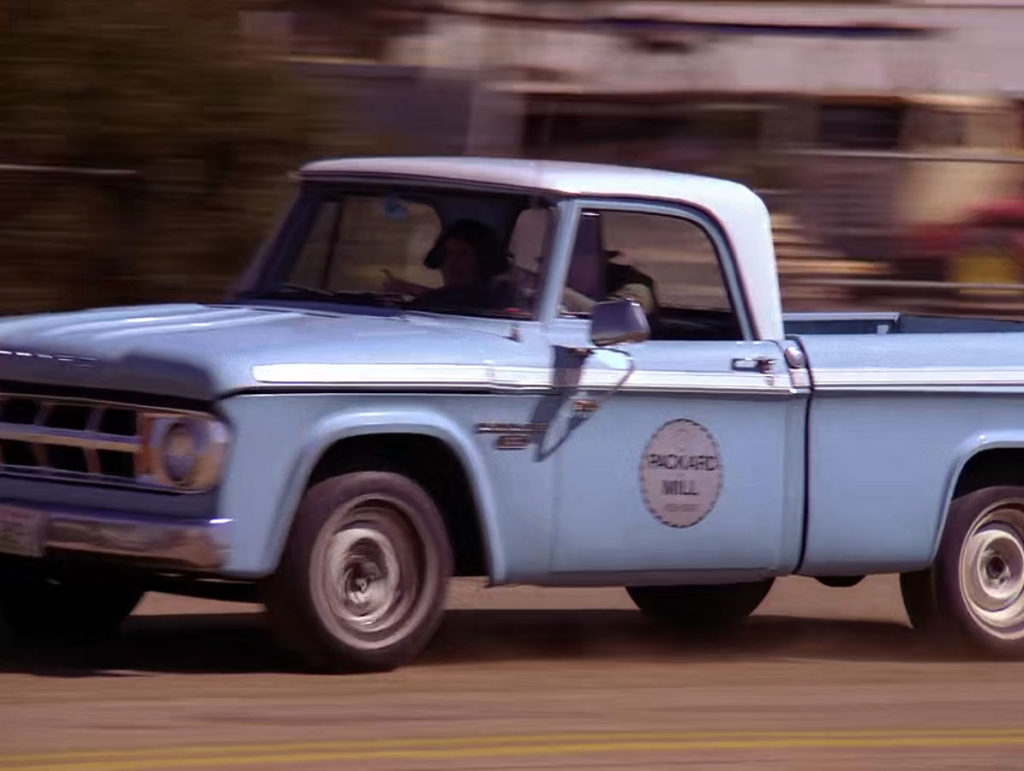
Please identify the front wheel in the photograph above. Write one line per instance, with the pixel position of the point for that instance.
(700, 607)
(973, 594)
(362, 582)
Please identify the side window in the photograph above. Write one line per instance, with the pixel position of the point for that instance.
(668, 264)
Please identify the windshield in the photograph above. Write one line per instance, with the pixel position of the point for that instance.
(433, 250)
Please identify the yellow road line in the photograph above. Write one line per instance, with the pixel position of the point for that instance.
(542, 750)
(215, 756)
(442, 741)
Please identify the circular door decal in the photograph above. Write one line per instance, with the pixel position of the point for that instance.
(681, 473)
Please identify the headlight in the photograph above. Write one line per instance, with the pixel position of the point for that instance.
(185, 451)
(179, 452)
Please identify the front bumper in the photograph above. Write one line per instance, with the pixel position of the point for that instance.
(156, 542)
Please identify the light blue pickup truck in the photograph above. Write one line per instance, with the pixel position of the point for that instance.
(538, 372)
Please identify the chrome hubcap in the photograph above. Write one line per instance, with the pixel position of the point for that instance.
(992, 571)
(371, 576)
(364, 569)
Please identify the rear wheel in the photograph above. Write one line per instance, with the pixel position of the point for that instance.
(973, 594)
(363, 578)
(700, 607)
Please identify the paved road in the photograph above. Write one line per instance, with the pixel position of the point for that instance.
(524, 678)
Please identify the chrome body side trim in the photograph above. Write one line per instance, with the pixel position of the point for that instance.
(483, 377)
(866, 379)
(668, 381)
(427, 376)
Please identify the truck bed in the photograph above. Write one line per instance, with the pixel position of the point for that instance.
(889, 323)
(899, 404)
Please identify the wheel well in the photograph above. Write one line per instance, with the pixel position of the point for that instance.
(991, 468)
(432, 464)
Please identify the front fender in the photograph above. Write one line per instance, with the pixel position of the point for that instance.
(273, 459)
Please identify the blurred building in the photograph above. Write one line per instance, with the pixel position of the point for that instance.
(858, 122)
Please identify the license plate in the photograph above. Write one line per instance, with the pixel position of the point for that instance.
(21, 531)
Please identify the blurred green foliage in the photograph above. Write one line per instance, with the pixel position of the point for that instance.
(205, 125)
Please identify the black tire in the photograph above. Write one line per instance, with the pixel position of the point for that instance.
(391, 559)
(701, 607)
(918, 593)
(972, 596)
(64, 607)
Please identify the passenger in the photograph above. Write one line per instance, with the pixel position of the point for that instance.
(590, 279)
(627, 282)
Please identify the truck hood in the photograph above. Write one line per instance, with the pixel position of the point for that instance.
(202, 352)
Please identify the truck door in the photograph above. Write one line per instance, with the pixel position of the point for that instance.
(696, 464)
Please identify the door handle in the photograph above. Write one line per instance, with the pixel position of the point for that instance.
(763, 364)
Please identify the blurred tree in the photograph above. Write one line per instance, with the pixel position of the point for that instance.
(201, 123)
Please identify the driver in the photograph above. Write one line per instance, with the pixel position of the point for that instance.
(469, 256)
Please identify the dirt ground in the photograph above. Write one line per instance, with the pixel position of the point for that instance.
(524, 678)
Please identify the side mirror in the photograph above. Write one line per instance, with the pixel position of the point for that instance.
(618, 321)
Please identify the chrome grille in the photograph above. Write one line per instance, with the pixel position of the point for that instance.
(69, 438)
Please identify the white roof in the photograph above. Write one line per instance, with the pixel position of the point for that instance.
(736, 207)
(556, 176)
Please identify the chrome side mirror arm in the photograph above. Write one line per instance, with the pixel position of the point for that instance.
(612, 322)
(586, 406)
